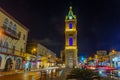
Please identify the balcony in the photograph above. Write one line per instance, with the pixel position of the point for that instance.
(10, 51)
(7, 31)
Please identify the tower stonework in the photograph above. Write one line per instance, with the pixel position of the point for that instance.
(71, 40)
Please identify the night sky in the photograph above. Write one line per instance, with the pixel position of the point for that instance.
(98, 22)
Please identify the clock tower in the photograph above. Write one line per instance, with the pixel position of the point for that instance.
(71, 40)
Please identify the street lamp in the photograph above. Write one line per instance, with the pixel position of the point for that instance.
(34, 50)
(113, 51)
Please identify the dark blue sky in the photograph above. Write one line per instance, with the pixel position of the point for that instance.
(98, 22)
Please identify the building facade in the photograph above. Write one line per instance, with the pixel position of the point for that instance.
(102, 57)
(45, 57)
(62, 56)
(13, 38)
(71, 40)
(115, 59)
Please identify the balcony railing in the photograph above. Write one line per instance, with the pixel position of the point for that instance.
(10, 51)
(10, 32)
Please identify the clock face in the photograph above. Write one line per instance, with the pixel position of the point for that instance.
(70, 17)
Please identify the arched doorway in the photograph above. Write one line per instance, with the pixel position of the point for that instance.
(18, 62)
(9, 64)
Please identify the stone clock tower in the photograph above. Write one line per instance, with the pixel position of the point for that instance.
(71, 40)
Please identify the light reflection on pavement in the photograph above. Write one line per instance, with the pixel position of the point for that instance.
(36, 75)
(21, 76)
(102, 73)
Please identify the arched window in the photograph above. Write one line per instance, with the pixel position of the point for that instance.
(14, 29)
(5, 47)
(0, 61)
(70, 25)
(11, 24)
(70, 41)
(6, 23)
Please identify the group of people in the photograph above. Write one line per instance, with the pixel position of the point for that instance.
(28, 66)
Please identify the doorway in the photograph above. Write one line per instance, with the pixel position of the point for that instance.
(8, 65)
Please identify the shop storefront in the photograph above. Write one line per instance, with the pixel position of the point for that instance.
(116, 62)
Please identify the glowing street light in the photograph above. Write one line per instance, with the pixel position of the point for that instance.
(34, 49)
(113, 51)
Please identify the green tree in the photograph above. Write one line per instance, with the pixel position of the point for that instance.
(83, 74)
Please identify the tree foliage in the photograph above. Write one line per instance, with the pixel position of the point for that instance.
(84, 74)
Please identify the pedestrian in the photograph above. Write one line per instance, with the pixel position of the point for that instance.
(29, 66)
(39, 66)
(42, 66)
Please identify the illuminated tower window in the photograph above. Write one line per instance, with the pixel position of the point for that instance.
(70, 41)
(70, 17)
(70, 25)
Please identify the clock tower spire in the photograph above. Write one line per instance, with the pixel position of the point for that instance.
(71, 40)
